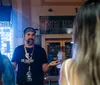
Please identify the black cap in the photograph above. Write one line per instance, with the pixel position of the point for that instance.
(29, 29)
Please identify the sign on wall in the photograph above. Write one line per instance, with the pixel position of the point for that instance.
(55, 24)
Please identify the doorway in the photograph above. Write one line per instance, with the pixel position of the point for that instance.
(52, 43)
(55, 46)
(55, 42)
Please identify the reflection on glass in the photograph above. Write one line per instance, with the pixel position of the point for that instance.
(6, 38)
(53, 49)
(68, 49)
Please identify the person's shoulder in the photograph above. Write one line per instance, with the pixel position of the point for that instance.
(19, 47)
(68, 62)
(5, 59)
(7, 63)
(38, 46)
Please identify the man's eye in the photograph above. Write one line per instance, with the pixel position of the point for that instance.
(28, 34)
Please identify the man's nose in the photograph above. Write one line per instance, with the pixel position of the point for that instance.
(30, 36)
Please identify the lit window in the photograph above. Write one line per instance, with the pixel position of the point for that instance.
(6, 38)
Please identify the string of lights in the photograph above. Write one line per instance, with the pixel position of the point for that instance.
(6, 38)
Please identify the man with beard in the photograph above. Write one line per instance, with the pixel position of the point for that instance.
(31, 61)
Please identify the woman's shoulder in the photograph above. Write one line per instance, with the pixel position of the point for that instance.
(65, 72)
(9, 74)
(68, 62)
(5, 59)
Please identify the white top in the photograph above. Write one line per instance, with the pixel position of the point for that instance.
(60, 56)
(67, 74)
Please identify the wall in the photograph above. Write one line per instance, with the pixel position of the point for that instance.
(20, 19)
(60, 8)
(27, 12)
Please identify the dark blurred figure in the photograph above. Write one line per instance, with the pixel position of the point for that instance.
(7, 74)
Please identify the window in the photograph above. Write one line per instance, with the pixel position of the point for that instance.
(6, 38)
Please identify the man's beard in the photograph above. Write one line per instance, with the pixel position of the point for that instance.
(30, 41)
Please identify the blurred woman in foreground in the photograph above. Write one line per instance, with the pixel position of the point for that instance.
(84, 67)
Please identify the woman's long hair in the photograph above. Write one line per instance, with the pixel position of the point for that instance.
(2, 69)
(1, 65)
(86, 38)
(7, 73)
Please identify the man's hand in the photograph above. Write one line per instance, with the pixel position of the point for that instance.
(46, 67)
(54, 63)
